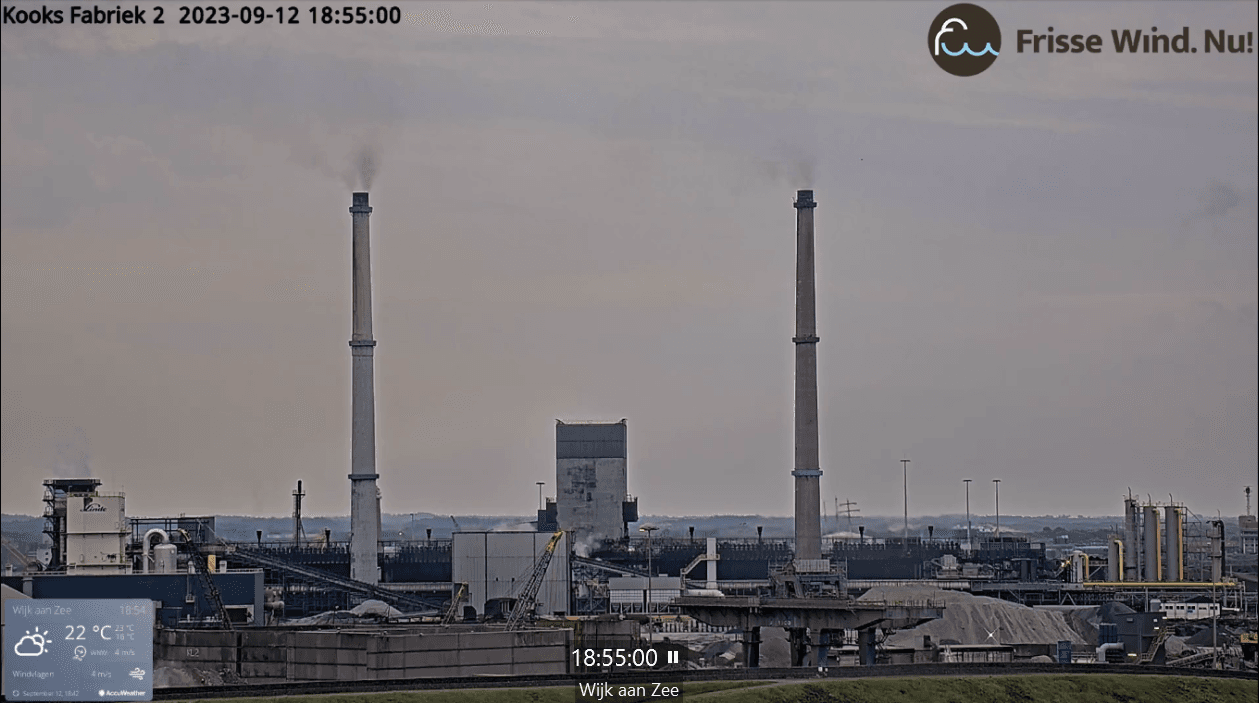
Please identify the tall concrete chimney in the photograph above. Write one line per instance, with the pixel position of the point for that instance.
(364, 508)
(808, 474)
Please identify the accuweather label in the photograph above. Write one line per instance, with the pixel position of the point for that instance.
(75, 650)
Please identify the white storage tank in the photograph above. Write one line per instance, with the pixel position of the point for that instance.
(165, 558)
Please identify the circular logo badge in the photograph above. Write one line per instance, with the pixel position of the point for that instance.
(964, 39)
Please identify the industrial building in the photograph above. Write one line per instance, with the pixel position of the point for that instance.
(441, 600)
(592, 498)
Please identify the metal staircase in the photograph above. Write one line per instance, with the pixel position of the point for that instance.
(1161, 638)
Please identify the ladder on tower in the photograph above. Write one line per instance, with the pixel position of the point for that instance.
(207, 579)
(526, 602)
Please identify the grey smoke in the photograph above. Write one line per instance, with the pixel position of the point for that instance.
(798, 173)
(72, 455)
(1219, 199)
(367, 164)
(790, 165)
(364, 164)
(1216, 201)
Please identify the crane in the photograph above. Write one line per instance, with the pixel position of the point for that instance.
(526, 601)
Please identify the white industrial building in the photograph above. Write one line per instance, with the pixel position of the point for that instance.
(96, 534)
(496, 566)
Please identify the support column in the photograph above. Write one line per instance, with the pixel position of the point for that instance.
(822, 650)
(798, 643)
(866, 649)
(752, 647)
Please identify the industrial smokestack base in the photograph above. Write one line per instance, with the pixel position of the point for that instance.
(364, 495)
(808, 474)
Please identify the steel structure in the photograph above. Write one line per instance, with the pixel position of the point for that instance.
(207, 579)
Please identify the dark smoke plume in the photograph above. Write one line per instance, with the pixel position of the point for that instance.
(367, 165)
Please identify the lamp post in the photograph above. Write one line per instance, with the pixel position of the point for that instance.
(651, 628)
(996, 482)
(905, 467)
(969, 546)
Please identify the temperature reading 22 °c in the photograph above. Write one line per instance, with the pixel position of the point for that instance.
(106, 632)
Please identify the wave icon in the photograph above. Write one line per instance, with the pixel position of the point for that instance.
(967, 50)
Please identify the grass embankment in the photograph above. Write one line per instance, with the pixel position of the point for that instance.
(563, 694)
(962, 689)
(1006, 689)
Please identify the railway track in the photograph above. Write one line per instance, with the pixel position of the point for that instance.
(312, 688)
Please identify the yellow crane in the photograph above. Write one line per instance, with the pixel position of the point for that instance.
(526, 602)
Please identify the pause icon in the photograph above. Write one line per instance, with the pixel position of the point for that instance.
(673, 656)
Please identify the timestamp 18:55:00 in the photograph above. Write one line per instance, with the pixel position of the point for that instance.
(615, 658)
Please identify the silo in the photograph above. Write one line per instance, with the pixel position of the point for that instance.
(1150, 533)
(1131, 569)
(1173, 559)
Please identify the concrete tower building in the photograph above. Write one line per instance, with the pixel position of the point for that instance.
(808, 474)
(591, 493)
(364, 495)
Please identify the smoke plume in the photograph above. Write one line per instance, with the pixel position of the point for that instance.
(72, 455)
(1218, 200)
(791, 166)
(367, 162)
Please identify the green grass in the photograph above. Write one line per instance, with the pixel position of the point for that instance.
(561, 694)
(962, 689)
(1006, 689)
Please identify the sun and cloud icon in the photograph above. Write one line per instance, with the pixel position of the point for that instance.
(32, 644)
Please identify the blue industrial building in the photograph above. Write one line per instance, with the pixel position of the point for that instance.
(180, 594)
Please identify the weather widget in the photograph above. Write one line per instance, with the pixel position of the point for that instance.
(80, 649)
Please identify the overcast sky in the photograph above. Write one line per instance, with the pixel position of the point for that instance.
(1045, 273)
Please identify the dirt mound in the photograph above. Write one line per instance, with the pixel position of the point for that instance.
(971, 619)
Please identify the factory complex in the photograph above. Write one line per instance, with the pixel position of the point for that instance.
(1168, 587)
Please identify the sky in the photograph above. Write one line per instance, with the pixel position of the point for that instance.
(1045, 273)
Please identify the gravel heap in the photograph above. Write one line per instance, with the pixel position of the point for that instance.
(970, 619)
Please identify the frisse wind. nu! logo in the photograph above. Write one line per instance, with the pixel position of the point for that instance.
(964, 39)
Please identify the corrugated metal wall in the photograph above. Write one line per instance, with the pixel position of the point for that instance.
(497, 565)
(591, 441)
